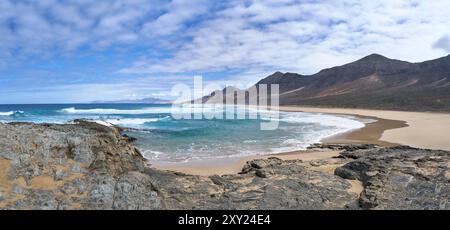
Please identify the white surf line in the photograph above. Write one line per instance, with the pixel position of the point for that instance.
(292, 91)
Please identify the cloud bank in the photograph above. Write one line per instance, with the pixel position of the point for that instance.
(93, 42)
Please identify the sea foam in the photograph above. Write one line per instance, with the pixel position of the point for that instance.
(345, 122)
(116, 111)
(133, 121)
(150, 110)
(11, 113)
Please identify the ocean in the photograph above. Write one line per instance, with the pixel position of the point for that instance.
(162, 138)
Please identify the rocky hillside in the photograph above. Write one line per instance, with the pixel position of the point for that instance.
(374, 81)
(89, 166)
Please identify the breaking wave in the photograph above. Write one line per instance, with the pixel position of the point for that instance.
(11, 113)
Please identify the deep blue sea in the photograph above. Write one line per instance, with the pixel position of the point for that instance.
(165, 139)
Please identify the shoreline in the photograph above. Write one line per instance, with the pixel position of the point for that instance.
(371, 133)
(426, 130)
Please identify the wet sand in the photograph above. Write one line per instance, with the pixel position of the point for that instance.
(370, 134)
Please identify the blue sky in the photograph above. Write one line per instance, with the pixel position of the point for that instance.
(69, 51)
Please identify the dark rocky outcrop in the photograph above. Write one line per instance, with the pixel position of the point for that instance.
(346, 147)
(89, 166)
(73, 166)
(401, 178)
(263, 184)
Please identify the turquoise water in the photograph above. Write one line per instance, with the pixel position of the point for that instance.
(163, 138)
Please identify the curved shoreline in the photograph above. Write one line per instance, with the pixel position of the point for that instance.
(371, 133)
(427, 130)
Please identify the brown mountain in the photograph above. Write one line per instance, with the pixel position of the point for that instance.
(375, 82)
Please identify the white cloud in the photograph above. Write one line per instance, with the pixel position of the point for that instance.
(178, 12)
(52, 28)
(306, 36)
(249, 39)
(282, 35)
(443, 43)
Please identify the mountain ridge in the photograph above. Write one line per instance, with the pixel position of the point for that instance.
(372, 82)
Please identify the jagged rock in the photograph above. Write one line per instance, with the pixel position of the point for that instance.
(221, 181)
(401, 178)
(353, 154)
(58, 174)
(86, 163)
(284, 185)
(347, 147)
(135, 191)
(101, 191)
(43, 200)
(260, 173)
(350, 171)
(130, 139)
(260, 163)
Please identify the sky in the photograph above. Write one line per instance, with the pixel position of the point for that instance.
(75, 51)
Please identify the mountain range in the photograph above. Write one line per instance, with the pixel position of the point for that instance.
(373, 82)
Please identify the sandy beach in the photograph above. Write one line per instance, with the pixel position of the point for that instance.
(234, 165)
(416, 129)
(423, 130)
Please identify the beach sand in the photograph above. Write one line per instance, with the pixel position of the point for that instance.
(416, 129)
(234, 165)
(424, 129)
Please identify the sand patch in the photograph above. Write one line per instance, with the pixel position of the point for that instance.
(5, 184)
(43, 182)
(356, 186)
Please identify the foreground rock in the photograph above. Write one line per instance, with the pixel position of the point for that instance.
(74, 166)
(265, 184)
(400, 178)
(90, 166)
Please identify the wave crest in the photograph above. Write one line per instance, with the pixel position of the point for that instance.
(155, 110)
(133, 121)
(11, 113)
